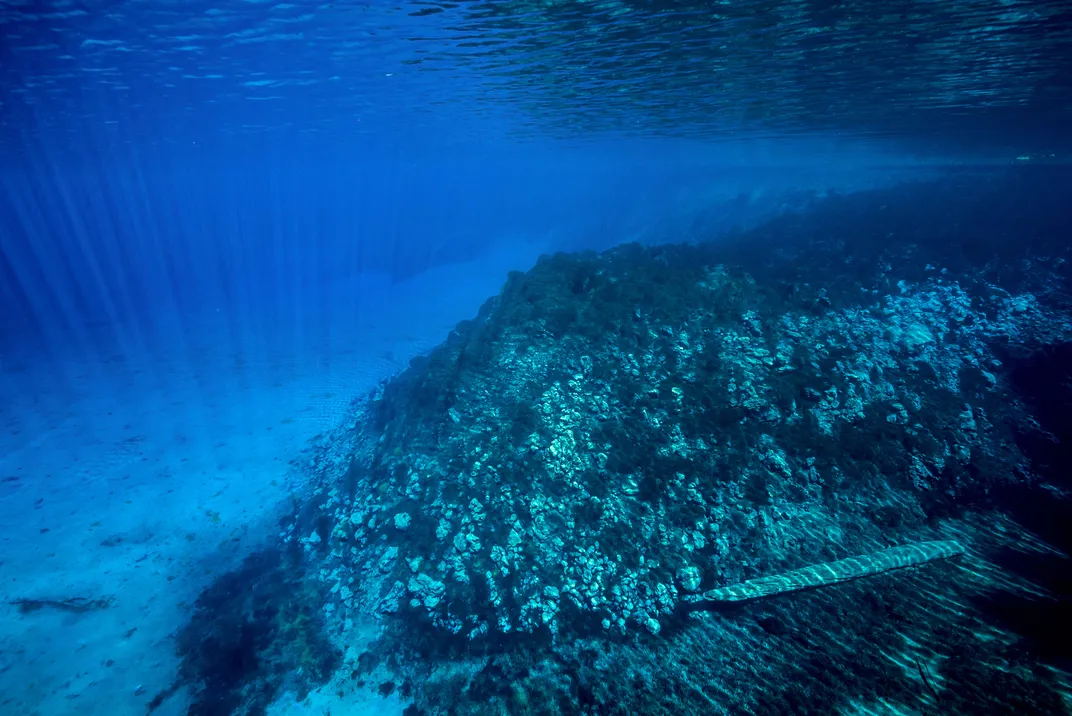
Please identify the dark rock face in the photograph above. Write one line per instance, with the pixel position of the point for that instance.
(615, 432)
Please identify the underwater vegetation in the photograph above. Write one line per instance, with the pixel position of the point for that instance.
(254, 633)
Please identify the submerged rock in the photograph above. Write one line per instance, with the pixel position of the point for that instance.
(617, 439)
(615, 431)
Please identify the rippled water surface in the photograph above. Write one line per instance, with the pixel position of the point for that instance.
(566, 67)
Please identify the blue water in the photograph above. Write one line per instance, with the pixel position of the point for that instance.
(221, 224)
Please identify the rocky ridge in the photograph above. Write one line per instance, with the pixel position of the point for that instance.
(615, 432)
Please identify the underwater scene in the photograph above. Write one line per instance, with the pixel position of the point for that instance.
(536, 357)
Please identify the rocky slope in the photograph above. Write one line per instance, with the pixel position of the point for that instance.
(616, 433)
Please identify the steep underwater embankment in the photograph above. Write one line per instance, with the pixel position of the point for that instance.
(534, 511)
